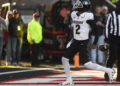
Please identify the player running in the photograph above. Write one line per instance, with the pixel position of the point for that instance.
(82, 23)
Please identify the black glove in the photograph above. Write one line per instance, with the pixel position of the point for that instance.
(106, 40)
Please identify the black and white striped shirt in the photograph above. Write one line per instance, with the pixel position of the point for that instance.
(113, 25)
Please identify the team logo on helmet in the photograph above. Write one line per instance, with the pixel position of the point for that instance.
(81, 5)
(85, 3)
(78, 4)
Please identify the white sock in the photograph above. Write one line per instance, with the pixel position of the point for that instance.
(95, 66)
(66, 65)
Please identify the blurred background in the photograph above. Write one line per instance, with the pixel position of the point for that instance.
(52, 18)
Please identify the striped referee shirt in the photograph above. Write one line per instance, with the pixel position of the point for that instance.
(113, 25)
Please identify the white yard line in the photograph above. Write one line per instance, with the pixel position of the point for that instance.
(21, 71)
(12, 72)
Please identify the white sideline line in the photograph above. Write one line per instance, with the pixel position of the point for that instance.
(20, 71)
(16, 72)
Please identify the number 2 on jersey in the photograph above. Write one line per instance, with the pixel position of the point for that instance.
(77, 29)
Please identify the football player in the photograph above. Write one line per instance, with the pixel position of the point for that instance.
(82, 23)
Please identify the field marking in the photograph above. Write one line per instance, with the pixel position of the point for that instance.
(81, 78)
(30, 70)
(12, 72)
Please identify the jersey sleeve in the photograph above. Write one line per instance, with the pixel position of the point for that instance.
(90, 16)
(73, 15)
(107, 26)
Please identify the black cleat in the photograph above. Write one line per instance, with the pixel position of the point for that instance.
(106, 77)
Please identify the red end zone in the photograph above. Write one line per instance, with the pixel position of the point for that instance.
(81, 78)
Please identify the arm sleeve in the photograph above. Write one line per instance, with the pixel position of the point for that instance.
(107, 29)
(90, 16)
(73, 14)
(41, 33)
(28, 34)
(2, 21)
(32, 30)
(94, 30)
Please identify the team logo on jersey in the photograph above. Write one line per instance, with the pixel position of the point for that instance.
(78, 22)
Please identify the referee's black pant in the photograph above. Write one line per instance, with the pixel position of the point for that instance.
(114, 54)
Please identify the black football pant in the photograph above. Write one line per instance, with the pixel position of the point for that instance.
(78, 46)
(114, 54)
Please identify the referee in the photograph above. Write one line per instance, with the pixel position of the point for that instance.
(112, 34)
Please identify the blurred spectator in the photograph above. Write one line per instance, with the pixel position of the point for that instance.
(2, 27)
(12, 37)
(114, 1)
(8, 17)
(104, 13)
(34, 37)
(20, 33)
(0, 11)
(96, 54)
(104, 16)
(68, 28)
